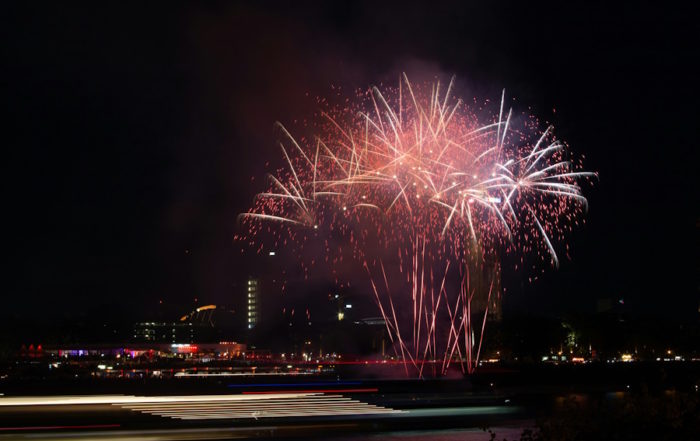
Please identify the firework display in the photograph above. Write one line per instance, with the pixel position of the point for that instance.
(427, 196)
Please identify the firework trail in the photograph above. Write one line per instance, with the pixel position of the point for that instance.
(413, 175)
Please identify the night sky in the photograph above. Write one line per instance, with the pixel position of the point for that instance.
(132, 132)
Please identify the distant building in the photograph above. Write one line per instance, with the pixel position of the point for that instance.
(253, 303)
(206, 324)
(173, 332)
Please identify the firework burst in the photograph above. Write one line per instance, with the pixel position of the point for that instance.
(413, 175)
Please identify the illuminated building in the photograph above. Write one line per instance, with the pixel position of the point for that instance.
(205, 324)
(253, 303)
(171, 332)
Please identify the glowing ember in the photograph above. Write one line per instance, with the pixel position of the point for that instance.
(413, 174)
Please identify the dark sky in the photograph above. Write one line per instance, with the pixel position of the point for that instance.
(132, 132)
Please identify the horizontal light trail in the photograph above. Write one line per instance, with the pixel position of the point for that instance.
(126, 399)
(270, 403)
(256, 405)
(260, 405)
(337, 405)
(281, 408)
(328, 383)
(287, 408)
(310, 391)
(286, 415)
(87, 426)
(362, 408)
(271, 414)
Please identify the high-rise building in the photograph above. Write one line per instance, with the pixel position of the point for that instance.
(253, 302)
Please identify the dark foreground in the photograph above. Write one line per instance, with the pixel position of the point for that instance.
(645, 401)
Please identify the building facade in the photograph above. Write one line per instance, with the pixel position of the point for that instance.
(253, 303)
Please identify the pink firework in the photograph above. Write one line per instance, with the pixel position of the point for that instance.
(426, 196)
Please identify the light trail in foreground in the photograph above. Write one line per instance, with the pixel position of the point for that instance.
(212, 407)
(422, 192)
(126, 399)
